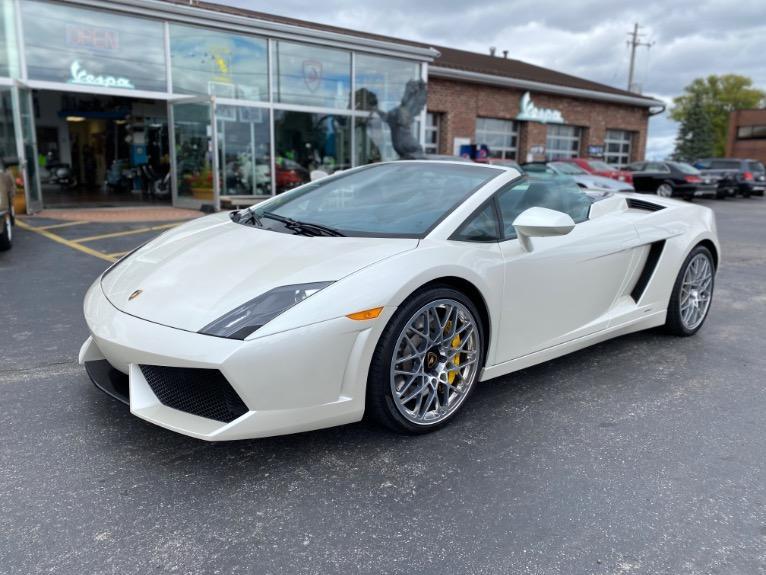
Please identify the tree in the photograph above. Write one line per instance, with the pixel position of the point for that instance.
(695, 135)
(719, 96)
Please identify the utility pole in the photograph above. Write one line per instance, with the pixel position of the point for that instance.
(634, 42)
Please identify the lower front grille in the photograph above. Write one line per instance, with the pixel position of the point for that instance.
(203, 392)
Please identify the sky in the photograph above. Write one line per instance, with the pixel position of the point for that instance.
(587, 38)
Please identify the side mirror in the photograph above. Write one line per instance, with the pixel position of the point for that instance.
(540, 223)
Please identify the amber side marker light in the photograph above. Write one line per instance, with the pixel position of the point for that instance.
(366, 314)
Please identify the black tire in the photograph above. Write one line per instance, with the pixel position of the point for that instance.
(380, 406)
(6, 233)
(674, 324)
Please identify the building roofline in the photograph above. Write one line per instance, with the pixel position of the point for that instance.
(213, 15)
(504, 81)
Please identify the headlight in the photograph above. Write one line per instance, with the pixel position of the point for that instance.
(245, 319)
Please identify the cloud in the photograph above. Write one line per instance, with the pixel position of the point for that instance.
(690, 38)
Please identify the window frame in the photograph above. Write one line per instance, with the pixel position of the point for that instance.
(494, 200)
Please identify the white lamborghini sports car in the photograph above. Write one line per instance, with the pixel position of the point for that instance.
(388, 290)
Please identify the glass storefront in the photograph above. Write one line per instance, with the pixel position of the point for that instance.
(250, 115)
(219, 64)
(193, 149)
(312, 76)
(93, 48)
(307, 142)
(244, 148)
(386, 89)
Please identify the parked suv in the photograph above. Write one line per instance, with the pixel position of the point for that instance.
(7, 215)
(671, 179)
(746, 177)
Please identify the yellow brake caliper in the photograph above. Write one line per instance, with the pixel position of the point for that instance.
(455, 343)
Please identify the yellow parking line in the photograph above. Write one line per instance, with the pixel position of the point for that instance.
(68, 243)
(64, 225)
(125, 233)
(117, 255)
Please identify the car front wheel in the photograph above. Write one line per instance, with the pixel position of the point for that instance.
(692, 293)
(665, 191)
(427, 361)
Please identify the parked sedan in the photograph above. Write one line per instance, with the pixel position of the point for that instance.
(583, 178)
(671, 179)
(601, 168)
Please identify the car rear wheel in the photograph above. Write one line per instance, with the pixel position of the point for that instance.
(427, 361)
(6, 234)
(692, 293)
(665, 191)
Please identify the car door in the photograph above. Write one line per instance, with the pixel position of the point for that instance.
(565, 287)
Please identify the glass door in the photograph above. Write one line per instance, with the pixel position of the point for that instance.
(26, 144)
(244, 150)
(194, 160)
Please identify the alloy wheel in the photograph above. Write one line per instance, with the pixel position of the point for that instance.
(665, 191)
(696, 291)
(435, 362)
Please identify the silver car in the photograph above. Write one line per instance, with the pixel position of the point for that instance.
(584, 179)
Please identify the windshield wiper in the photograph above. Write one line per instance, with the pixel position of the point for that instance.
(306, 228)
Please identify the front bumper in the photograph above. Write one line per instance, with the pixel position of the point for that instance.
(299, 380)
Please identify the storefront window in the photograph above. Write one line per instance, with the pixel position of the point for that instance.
(393, 93)
(500, 136)
(244, 148)
(382, 82)
(88, 47)
(312, 76)
(217, 63)
(8, 47)
(562, 142)
(194, 159)
(308, 142)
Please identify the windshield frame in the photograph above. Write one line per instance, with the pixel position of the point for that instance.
(275, 202)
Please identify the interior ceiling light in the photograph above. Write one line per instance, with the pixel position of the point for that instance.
(75, 119)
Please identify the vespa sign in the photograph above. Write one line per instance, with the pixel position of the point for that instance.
(531, 113)
(79, 75)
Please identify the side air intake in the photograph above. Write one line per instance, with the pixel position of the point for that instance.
(655, 251)
(637, 204)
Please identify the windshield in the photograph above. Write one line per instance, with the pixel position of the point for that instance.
(404, 199)
(755, 167)
(569, 169)
(685, 168)
(600, 166)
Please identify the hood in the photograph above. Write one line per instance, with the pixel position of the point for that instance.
(601, 183)
(197, 272)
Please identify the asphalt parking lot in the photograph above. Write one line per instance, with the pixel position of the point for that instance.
(646, 454)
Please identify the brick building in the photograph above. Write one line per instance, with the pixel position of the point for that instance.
(747, 135)
(478, 99)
